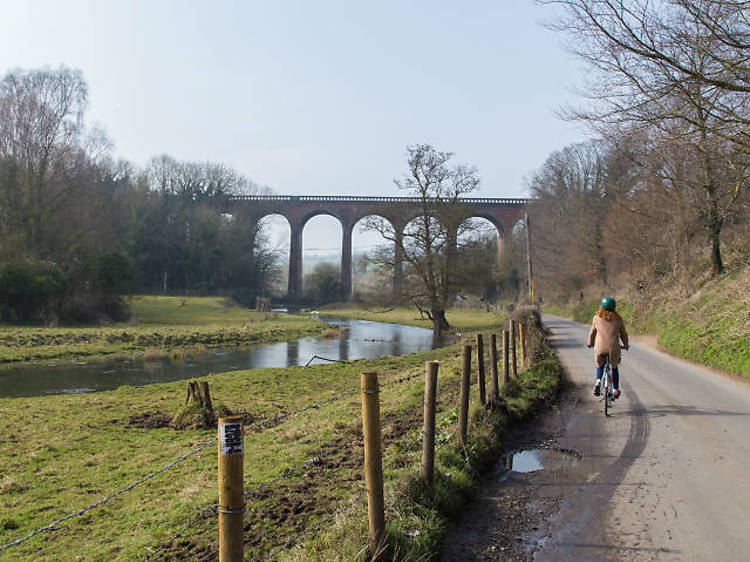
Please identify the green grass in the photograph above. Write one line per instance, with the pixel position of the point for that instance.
(418, 518)
(61, 453)
(711, 326)
(460, 318)
(185, 311)
(160, 323)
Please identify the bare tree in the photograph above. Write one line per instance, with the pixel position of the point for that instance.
(674, 72)
(659, 50)
(573, 195)
(41, 121)
(429, 243)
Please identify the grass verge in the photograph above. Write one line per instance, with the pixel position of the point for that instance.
(710, 326)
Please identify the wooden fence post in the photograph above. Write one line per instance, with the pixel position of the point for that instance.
(206, 396)
(506, 357)
(522, 343)
(494, 383)
(463, 405)
(514, 360)
(428, 430)
(231, 489)
(373, 458)
(480, 369)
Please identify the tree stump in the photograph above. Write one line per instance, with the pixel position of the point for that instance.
(198, 410)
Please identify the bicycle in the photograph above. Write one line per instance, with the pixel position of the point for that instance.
(607, 386)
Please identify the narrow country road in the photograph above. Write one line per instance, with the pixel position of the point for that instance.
(666, 477)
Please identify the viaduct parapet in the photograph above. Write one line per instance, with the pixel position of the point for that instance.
(399, 211)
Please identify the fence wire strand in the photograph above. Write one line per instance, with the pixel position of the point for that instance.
(258, 424)
(109, 497)
(203, 513)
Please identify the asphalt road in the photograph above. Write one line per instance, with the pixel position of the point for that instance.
(666, 476)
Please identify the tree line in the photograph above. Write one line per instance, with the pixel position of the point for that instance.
(78, 227)
(661, 190)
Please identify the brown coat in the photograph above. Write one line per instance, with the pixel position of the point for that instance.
(607, 329)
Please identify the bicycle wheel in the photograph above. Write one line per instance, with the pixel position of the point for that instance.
(606, 390)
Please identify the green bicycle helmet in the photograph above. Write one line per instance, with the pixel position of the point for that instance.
(608, 303)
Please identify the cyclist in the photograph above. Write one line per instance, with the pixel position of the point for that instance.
(607, 329)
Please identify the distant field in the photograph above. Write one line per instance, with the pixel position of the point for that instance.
(161, 324)
(461, 318)
(186, 311)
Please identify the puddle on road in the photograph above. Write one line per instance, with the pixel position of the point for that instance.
(540, 459)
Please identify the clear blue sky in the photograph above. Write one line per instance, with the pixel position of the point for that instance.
(311, 96)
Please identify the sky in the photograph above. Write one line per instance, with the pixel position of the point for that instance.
(312, 97)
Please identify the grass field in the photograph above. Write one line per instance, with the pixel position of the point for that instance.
(460, 318)
(61, 453)
(160, 324)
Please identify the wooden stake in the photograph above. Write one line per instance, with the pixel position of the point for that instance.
(506, 357)
(528, 259)
(522, 343)
(514, 360)
(231, 489)
(428, 430)
(494, 383)
(463, 405)
(480, 368)
(373, 459)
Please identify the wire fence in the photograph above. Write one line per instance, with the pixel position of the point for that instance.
(274, 420)
(206, 511)
(109, 497)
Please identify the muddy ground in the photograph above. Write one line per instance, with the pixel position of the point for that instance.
(506, 520)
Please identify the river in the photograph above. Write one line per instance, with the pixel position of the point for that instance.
(360, 340)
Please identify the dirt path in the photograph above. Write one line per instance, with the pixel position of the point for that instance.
(664, 478)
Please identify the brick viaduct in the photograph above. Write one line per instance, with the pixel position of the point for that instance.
(399, 211)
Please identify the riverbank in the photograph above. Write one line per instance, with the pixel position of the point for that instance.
(161, 326)
(464, 319)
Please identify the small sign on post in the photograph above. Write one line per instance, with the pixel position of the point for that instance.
(231, 489)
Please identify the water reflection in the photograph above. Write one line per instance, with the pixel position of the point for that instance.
(359, 340)
(344, 348)
(292, 353)
(540, 459)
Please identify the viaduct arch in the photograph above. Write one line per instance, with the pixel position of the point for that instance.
(348, 210)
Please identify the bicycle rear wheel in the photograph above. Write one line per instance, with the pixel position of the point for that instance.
(606, 385)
